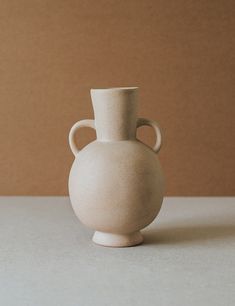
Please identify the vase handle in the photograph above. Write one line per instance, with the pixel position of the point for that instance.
(80, 124)
(154, 125)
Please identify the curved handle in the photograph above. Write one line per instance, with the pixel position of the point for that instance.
(80, 124)
(154, 125)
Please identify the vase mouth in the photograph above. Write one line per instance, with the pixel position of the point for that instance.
(115, 88)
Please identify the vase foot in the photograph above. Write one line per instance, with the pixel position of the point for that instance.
(117, 240)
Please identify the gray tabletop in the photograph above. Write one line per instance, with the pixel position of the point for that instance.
(47, 257)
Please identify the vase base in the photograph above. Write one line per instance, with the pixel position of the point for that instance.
(117, 240)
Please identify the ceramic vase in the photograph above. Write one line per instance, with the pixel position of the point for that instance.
(116, 183)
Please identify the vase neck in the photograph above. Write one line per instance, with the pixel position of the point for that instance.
(115, 111)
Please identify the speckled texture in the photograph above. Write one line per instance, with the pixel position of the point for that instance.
(116, 184)
(47, 257)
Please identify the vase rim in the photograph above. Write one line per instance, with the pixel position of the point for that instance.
(116, 88)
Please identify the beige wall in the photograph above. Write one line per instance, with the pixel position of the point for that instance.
(180, 54)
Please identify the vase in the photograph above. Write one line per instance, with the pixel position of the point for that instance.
(116, 183)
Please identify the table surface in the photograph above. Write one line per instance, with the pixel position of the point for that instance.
(47, 257)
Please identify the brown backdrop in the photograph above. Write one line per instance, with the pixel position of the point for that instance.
(180, 54)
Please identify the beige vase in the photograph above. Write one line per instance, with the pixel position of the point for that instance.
(116, 182)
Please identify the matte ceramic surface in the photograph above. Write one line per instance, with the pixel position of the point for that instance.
(116, 182)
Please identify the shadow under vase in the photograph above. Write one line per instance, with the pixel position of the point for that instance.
(188, 234)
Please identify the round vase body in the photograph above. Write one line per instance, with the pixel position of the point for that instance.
(116, 188)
